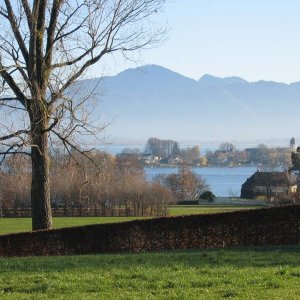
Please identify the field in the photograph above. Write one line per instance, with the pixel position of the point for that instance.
(12, 225)
(254, 273)
(178, 210)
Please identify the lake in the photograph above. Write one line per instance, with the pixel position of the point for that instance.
(223, 182)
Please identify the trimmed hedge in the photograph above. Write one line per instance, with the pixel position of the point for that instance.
(268, 226)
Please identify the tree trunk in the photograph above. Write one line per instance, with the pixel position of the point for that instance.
(40, 184)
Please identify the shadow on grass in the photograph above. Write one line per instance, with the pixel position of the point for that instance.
(235, 257)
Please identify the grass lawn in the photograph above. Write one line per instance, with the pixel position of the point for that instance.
(254, 273)
(11, 225)
(178, 210)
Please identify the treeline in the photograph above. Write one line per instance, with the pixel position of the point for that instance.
(162, 148)
(102, 183)
(169, 151)
(261, 155)
(159, 151)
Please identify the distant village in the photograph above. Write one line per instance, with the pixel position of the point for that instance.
(168, 153)
(274, 182)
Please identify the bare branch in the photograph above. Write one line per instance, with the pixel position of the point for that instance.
(11, 151)
(67, 142)
(28, 12)
(15, 29)
(8, 98)
(13, 85)
(15, 134)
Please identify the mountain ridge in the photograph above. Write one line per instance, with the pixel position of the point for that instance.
(155, 101)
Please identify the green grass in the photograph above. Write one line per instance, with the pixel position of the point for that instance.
(254, 273)
(12, 225)
(178, 210)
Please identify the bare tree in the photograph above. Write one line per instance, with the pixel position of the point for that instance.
(162, 148)
(185, 185)
(45, 47)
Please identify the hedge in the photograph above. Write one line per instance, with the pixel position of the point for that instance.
(268, 226)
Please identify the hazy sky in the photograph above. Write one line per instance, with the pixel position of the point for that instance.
(254, 39)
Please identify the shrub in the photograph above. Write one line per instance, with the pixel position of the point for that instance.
(208, 195)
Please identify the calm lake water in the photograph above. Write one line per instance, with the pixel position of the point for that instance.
(223, 182)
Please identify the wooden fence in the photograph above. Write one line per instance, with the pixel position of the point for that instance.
(85, 212)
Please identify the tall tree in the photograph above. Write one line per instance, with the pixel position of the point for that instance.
(45, 47)
(295, 160)
(162, 148)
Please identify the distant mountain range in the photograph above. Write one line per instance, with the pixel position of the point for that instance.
(154, 101)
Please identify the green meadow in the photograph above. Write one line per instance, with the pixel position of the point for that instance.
(250, 273)
(13, 225)
(178, 210)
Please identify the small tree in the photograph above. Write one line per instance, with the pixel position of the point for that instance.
(185, 185)
(295, 168)
(190, 154)
(227, 147)
(207, 195)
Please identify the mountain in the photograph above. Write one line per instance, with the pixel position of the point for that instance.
(154, 101)
(222, 82)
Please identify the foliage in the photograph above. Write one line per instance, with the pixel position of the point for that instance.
(190, 154)
(227, 147)
(295, 158)
(261, 155)
(169, 152)
(207, 195)
(248, 273)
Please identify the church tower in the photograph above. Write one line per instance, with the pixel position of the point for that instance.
(293, 144)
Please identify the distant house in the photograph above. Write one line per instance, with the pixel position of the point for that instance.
(268, 184)
(175, 160)
(151, 160)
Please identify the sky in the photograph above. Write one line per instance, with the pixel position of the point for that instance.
(253, 39)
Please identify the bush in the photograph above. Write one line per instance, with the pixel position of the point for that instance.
(208, 195)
